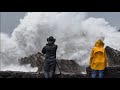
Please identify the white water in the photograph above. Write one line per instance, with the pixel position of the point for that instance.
(75, 35)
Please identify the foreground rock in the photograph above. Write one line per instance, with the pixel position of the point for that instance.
(113, 56)
(69, 68)
(111, 72)
(66, 66)
(16, 74)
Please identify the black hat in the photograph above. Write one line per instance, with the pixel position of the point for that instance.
(51, 39)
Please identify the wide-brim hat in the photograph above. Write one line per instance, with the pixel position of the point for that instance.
(51, 38)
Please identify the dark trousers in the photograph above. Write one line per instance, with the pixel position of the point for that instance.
(99, 72)
(49, 69)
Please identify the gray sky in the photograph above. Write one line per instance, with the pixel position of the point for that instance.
(112, 17)
(10, 20)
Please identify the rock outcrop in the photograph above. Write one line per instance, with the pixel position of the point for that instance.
(65, 66)
(113, 56)
(69, 68)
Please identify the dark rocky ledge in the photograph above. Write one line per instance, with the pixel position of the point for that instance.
(69, 68)
(17, 74)
(110, 72)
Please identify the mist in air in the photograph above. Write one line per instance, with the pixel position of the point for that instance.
(75, 35)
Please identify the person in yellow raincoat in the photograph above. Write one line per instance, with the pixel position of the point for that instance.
(98, 59)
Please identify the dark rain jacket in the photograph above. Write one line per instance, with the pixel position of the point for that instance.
(50, 51)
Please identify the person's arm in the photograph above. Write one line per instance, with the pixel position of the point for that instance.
(44, 50)
(56, 47)
(91, 57)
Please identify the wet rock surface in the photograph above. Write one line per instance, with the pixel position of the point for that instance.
(110, 72)
(37, 60)
(68, 68)
(113, 56)
(16, 74)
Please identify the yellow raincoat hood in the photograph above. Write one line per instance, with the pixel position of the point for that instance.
(98, 58)
(99, 43)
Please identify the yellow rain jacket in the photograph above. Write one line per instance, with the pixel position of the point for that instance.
(98, 58)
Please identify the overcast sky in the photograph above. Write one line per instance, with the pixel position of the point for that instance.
(10, 20)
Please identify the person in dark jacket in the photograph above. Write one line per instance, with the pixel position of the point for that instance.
(50, 57)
